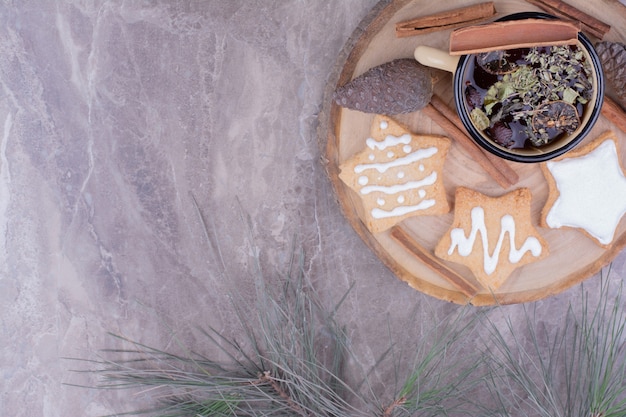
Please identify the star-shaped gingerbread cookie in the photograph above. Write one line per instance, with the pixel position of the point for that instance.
(492, 236)
(587, 190)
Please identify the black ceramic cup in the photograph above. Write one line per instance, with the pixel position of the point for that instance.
(460, 65)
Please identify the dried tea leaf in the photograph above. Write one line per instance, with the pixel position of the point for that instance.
(496, 62)
(480, 119)
(473, 96)
(396, 87)
(569, 95)
(613, 58)
(553, 119)
(502, 134)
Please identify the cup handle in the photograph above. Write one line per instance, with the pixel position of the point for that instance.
(436, 58)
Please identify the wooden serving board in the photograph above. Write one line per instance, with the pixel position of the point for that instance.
(573, 256)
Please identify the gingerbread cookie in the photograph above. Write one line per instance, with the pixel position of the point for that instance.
(492, 236)
(397, 175)
(587, 190)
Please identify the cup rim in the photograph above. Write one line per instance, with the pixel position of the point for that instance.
(501, 152)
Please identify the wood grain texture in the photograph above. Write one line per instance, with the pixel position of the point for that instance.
(512, 34)
(499, 163)
(468, 145)
(574, 257)
(613, 111)
(464, 284)
(564, 10)
(449, 19)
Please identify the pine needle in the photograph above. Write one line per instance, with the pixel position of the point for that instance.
(575, 370)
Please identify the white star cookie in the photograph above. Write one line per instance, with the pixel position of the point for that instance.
(587, 190)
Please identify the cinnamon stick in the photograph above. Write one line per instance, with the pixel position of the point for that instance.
(614, 112)
(563, 10)
(501, 165)
(450, 19)
(513, 34)
(468, 145)
(405, 240)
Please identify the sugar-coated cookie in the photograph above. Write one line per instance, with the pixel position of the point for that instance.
(397, 175)
(587, 190)
(492, 236)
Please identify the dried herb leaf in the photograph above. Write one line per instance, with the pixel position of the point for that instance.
(480, 119)
(496, 62)
(569, 95)
(553, 119)
(502, 134)
(473, 97)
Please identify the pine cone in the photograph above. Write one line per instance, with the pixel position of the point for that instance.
(399, 86)
(613, 58)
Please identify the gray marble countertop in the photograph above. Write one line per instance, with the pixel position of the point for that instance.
(117, 118)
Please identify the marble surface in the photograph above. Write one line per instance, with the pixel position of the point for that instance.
(119, 120)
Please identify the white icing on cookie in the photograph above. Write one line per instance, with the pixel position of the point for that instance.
(406, 160)
(389, 141)
(592, 192)
(402, 210)
(398, 188)
(465, 244)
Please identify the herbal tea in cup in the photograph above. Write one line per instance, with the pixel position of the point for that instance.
(525, 103)
(530, 98)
